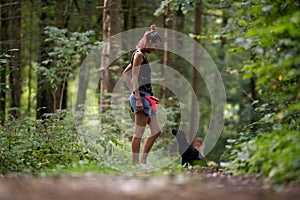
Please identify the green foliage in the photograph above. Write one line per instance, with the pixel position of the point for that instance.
(267, 33)
(67, 48)
(4, 59)
(78, 167)
(273, 154)
(175, 5)
(66, 52)
(29, 145)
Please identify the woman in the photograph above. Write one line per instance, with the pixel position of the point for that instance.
(141, 86)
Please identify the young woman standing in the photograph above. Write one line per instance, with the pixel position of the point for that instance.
(141, 87)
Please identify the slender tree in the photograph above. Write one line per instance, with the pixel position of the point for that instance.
(3, 48)
(125, 9)
(30, 48)
(173, 18)
(115, 19)
(84, 69)
(60, 94)
(44, 97)
(166, 25)
(196, 75)
(105, 54)
(115, 28)
(15, 81)
(130, 14)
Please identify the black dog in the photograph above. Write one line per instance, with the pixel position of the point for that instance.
(188, 152)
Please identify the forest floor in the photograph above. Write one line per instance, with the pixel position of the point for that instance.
(188, 185)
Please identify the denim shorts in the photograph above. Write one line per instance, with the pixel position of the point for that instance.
(146, 104)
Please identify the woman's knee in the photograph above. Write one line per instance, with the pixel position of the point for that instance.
(136, 139)
(139, 131)
(156, 135)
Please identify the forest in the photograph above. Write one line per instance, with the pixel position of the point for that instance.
(62, 110)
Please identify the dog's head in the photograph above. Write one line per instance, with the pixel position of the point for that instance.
(175, 132)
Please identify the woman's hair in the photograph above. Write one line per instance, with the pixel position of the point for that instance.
(149, 37)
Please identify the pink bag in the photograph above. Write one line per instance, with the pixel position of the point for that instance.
(153, 102)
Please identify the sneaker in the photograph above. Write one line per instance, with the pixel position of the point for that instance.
(146, 166)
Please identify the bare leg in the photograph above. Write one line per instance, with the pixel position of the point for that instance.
(135, 145)
(155, 132)
(140, 123)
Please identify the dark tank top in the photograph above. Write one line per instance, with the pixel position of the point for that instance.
(144, 78)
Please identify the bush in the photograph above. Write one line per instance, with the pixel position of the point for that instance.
(273, 154)
(29, 145)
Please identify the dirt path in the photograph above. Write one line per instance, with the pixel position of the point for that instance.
(183, 187)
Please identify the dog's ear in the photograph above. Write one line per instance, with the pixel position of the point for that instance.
(174, 132)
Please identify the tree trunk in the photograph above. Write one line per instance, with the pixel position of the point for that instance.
(87, 15)
(175, 60)
(115, 16)
(196, 76)
(2, 92)
(254, 97)
(126, 10)
(115, 28)
(133, 13)
(129, 14)
(166, 24)
(29, 62)
(83, 71)
(223, 39)
(62, 89)
(44, 96)
(3, 48)
(59, 14)
(15, 81)
(105, 55)
(179, 20)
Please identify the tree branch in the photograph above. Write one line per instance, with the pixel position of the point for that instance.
(10, 18)
(9, 4)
